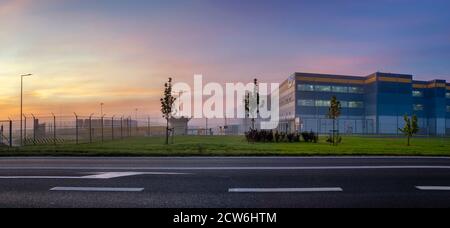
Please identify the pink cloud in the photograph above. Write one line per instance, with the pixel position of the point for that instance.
(11, 7)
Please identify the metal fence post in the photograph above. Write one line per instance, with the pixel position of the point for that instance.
(121, 127)
(90, 128)
(148, 125)
(102, 129)
(137, 127)
(34, 129)
(76, 128)
(25, 129)
(129, 126)
(112, 128)
(54, 128)
(10, 133)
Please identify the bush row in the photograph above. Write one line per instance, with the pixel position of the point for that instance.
(278, 137)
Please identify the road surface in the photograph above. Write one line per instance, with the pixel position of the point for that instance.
(246, 182)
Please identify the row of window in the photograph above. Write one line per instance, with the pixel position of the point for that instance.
(335, 89)
(417, 93)
(420, 107)
(326, 103)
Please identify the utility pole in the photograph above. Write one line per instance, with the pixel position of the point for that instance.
(21, 106)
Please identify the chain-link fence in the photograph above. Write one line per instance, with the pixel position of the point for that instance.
(76, 129)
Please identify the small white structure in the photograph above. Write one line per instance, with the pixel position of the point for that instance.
(179, 125)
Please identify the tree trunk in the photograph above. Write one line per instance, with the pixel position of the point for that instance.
(334, 134)
(167, 132)
(409, 140)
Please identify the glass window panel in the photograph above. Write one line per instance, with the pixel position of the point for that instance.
(418, 107)
(355, 90)
(309, 103)
(355, 104)
(417, 93)
(340, 89)
(447, 95)
(344, 104)
(323, 103)
(321, 88)
(305, 87)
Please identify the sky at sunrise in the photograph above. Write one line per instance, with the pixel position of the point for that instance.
(84, 52)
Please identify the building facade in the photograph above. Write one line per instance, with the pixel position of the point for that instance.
(374, 104)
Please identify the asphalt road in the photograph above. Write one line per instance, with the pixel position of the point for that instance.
(261, 182)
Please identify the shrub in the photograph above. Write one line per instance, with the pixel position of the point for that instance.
(334, 138)
(253, 136)
(310, 137)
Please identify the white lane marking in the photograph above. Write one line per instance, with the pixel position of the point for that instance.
(90, 189)
(281, 190)
(40, 177)
(230, 168)
(433, 188)
(107, 175)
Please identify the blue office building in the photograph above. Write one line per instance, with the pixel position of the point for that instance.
(373, 104)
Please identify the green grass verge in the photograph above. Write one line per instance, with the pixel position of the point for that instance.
(237, 146)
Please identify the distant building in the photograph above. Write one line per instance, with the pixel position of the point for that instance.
(179, 125)
(374, 104)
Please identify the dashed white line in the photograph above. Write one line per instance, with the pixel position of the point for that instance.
(283, 190)
(95, 189)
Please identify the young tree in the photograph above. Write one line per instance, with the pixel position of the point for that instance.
(167, 105)
(252, 102)
(333, 113)
(411, 127)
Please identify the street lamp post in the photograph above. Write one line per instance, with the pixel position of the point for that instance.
(101, 108)
(21, 106)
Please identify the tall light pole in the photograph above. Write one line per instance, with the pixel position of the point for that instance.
(21, 106)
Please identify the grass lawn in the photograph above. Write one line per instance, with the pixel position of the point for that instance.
(237, 146)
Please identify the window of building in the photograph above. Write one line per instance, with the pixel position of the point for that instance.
(322, 88)
(355, 90)
(323, 103)
(418, 107)
(344, 104)
(448, 108)
(339, 89)
(417, 93)
(305, 87)
(308, 103)
(447, 95)
(356, 104)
